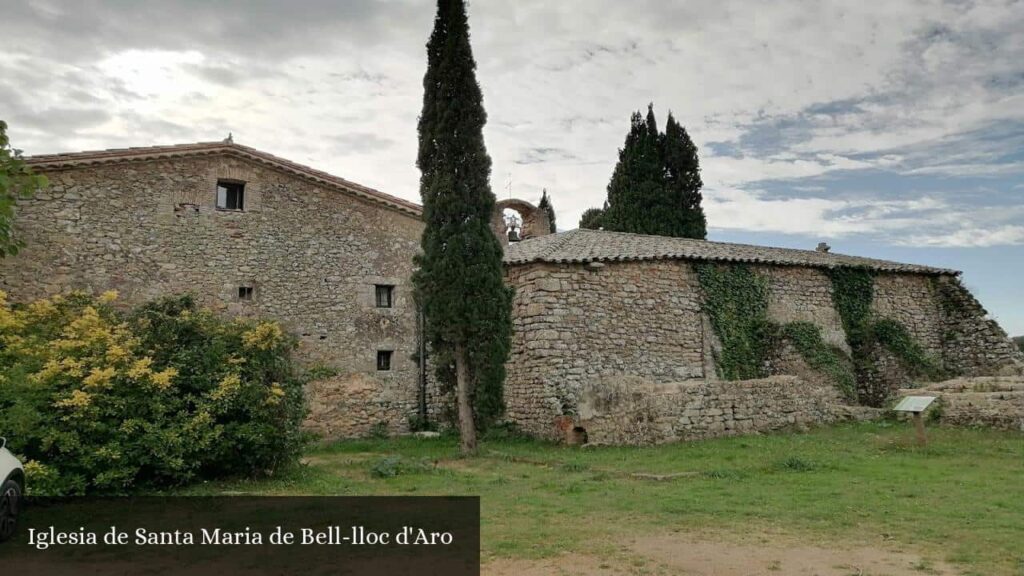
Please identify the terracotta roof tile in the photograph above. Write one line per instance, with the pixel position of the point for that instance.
(579, 246)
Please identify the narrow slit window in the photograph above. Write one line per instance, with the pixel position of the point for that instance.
(245, 293)
(230, 195)
(384, 360)
(385, 296)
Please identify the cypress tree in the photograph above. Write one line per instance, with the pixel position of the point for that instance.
(591, 219)
(637, 183)
(683, 182)
(655, 187)
(459, 283)
(17, 181)
(545, 205)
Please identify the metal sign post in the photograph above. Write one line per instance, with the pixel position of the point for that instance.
(916, 405)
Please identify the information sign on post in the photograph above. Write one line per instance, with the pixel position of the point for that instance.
(916, 405)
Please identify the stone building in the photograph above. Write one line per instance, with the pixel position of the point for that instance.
(248, 234)
(610, 331)
(611, 335)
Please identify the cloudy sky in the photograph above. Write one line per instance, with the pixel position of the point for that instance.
(888, 129)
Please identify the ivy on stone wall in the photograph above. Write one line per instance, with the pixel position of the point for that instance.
(736, 301)
(853, 289)
(897, 340)
(821, 356)
(852, 294)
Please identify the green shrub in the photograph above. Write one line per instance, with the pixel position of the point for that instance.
(98, 401)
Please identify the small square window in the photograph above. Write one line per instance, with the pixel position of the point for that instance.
(230, 195)
(384, 360)
(245, 292)
(385, 295)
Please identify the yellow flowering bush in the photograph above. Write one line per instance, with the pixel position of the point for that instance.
(103, 401)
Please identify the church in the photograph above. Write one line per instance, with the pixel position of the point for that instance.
(612, 337)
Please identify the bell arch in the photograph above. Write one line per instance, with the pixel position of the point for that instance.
(531, 222)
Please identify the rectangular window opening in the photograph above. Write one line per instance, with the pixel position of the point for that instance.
(230, 195)
(384, 360)
(385, 296)
(245, 293)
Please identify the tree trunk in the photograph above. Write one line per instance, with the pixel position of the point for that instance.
(467, 428)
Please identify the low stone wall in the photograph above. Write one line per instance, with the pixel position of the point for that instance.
(626, 410)
(352, 406)
(996, 402)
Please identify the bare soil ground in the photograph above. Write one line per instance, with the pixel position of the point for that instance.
(701, 555)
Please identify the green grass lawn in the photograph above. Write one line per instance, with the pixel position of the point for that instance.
(961, 499)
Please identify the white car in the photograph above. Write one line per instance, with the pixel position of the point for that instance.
(11, 489)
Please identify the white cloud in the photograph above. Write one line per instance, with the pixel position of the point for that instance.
(736, 209)
(803, 90)
(972, 237)
(919, 221)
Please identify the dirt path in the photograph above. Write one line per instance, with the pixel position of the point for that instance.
(693, 555)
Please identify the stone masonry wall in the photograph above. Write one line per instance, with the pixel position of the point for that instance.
(804, 295)
(973, 343)
(911, 300)
(312, 255)
(621, 338)
(635, 411)
(579, 326)
(996, 402)
(573, 324)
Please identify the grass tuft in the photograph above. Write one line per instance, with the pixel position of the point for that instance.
(796, 464)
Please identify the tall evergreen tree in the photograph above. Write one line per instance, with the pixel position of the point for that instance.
(459, 283)
(655, 187)
(683, 182)
(591, 219)
(637, 184)
(17, 181)
(545, 205)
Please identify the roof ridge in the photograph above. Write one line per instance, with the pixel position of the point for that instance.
(734, 244)
(604, 245)
(557, 241)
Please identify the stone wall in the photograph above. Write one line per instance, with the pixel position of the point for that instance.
(574, 324)
(624, 346)
(996, 402)
(804, 295)
(629, 410)
(910, 299)
(578, 326)
(973, 343)
(312, 255)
